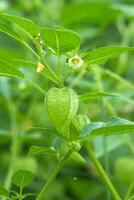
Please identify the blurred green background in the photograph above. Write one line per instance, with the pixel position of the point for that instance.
(100, 23)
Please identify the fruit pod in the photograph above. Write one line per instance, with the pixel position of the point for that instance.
(62, 107)
(78, 123)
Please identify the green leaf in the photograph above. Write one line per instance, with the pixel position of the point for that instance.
(26, 24)
(35, 150)
(62, 106)
(8, 30)
(25, 63)
(101, 55)
(90, 128)
(7, 69)
(4, 192)
(22, 178)
(115, 126)
(60, 40)
(86, 97)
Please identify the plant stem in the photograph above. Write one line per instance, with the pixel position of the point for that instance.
(53, 175)
(20, 195)
(42, 59)
(14, 145)
(129, 191)
(101, 171)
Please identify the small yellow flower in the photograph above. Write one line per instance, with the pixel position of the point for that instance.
(75, 62)
(39, 68)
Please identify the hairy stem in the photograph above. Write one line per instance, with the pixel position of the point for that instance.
(52, 177)
(101, 172)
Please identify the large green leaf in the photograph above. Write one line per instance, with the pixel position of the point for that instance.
(115, 126)
(60, 40)
(26, 24)
(22, 178)
(8, 30)
(7, 69)
(101, 55)
(5, 28)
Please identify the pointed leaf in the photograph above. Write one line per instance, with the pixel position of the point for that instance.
(86, 97)
(101, 55)
(115, 126)
(8, 70)
(8, 30)
(26, 24)
(60, 40)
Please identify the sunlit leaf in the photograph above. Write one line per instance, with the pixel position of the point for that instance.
(60, 40)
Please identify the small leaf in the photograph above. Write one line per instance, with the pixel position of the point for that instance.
(26, 24)
(7, 69)
(4, 192)
(101, 55)
(86, 97)
(35, 150)
(23, 178)
(60, 40)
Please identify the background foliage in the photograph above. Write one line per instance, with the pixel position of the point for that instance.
(99, 23)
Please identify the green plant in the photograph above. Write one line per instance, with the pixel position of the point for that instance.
(73, 131)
